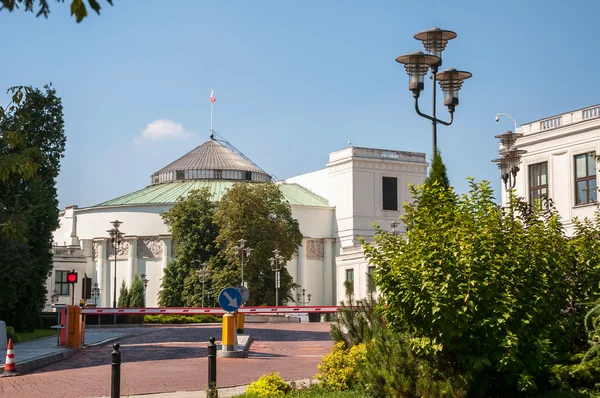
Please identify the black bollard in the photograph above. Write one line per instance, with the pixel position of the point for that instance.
(115, 381)
(212, 369)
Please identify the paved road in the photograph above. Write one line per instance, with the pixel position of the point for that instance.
(174, 359)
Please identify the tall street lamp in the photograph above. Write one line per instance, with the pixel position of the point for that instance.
(116, 238)
(276, 262)
(145, 282)
(202, 274)
(303, 301)
(241, 249)
(510, 158)
(417, 64)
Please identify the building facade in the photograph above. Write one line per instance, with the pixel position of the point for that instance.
(335, 206)
(559, 162)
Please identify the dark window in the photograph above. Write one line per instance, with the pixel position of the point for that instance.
(370, 282)
(218, 174)
(350, 280)
(538, 182)
(180, 175)
(61, 285)
(390, 193)
(585, 178)
(248, 175)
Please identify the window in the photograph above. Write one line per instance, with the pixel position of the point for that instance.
(585, 178)
(349, 280)
(370, 282)
(390, 193)
(60, 283)
(248, 175)
(180, 174)
(218, 174)
(538, 182)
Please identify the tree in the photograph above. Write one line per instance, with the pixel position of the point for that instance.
(30, 204)
(136, 293)
(123, 296)
(438, 171)
(258, 213)
(478, 288)
(78, 7)
(193, 232)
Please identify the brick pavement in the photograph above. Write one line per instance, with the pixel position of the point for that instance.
(174, 359)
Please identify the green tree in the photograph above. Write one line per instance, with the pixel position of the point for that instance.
(136, 293)
(438, 171)
(30, 204)
(78, 7)
(123, 301)
(258, 213)
(478, 288)
(193, 232)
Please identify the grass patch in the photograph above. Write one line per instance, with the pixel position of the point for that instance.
(37, 334)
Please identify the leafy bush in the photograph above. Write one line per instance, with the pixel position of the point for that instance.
(268, 385)
(480, 289)
(182, 319)
(339, 369)
(11, 334)
(577, 374)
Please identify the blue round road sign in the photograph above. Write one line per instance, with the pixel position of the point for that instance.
(230, 299)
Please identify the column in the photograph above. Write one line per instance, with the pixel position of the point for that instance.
(132, 267)
(101, 272)
(301, 264)
(328, 271)
(166, 254)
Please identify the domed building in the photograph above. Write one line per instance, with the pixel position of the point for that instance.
(334, 206)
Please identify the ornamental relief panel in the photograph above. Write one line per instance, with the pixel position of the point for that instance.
(149, 247)
(314, 249)
(122, 250)
(95, 250)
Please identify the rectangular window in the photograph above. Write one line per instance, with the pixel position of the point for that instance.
(538, 182)
(61, 285)
(179, 174)
(248, 175)
(218, 174)
(585, 178)
(349, 284)
(370, 281)
(390, 193)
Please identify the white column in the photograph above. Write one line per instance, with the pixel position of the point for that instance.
(101, 272)
(328, 271)
(166, 254)
(301, 264)
(132, 267)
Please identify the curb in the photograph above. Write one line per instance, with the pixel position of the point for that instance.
(39, 362)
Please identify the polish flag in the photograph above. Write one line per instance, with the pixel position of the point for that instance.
(212, 96)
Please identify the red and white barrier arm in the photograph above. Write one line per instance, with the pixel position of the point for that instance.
(212, 311)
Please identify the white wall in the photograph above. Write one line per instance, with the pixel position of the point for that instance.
(316, 181)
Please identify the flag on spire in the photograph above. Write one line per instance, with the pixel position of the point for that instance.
(212, 96)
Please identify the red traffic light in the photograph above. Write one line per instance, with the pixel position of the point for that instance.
(72, 277)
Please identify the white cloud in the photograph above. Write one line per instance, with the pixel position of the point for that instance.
(163, 129)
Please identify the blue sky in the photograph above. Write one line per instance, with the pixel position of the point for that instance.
(293, 80)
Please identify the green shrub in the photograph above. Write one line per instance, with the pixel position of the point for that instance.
(339, 369)
(268, 385)
(11, 334)
(182, 319)
(123, 301)
(577, 375)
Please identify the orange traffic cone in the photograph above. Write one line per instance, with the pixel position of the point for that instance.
(10, 369)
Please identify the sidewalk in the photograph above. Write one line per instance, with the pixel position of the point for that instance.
(35, 354)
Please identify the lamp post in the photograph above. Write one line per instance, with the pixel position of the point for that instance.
(116, 238)
(394, 225)
(145, 282)
(95, 292)
(303, 301)
(241, 249)
(202, 274)
(510, 158)
(276, 262)
(54, 297)
(417, 64)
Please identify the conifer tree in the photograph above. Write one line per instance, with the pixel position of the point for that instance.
(438, 171)
(136, 294)
(123, 296)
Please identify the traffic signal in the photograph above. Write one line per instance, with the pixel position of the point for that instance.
(72, 277)
(86, 288)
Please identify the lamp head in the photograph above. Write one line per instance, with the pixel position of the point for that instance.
(497, 118)
(417, 64)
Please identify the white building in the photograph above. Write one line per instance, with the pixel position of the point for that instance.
(334, 206)
(559, 162)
